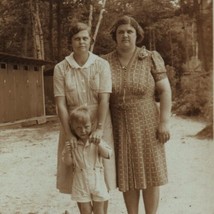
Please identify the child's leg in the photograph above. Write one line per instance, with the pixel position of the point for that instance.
(99, 207)
(85, 208)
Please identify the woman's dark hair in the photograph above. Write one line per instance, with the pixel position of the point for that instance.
(131, 21)
(76, 28)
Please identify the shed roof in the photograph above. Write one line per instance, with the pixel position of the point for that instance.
(5, 57)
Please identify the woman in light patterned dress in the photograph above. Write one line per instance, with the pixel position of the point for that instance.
(83, 78)
(140, 128)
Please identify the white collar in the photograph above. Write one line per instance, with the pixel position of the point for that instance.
(79, 142)
(91, 59)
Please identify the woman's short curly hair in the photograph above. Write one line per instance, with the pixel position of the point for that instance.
(76, 28)
(131, 21)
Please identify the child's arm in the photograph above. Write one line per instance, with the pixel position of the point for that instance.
(66, 154)
(104, 150)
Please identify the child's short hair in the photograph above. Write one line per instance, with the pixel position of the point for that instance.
(80, 115)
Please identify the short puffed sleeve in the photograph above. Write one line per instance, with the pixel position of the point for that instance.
(158, 66)
(58, 81)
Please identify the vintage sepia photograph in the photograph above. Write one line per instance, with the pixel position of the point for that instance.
(106, 107)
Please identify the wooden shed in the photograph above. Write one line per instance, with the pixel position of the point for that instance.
(21, 88)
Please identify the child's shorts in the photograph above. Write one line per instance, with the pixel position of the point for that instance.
(89, 185)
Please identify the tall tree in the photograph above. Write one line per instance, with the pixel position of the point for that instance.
(50, 29)
(201, 12)
(102, 10)
(37, 30)
(59, 28)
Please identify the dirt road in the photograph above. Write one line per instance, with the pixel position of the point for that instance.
(28, 167)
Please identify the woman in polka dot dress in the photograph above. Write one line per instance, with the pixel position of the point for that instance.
(140, 128)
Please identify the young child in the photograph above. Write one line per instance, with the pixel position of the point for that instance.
(88, 187)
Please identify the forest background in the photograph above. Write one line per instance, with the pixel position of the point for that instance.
(181, 31)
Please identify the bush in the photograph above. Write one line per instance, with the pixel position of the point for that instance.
(195, 97)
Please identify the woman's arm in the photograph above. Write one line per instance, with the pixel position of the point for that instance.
(64, 119)
(66, 154)
(164, 91)
(103, 107)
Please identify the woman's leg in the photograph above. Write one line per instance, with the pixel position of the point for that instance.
(105, 207)
(85, 208)
(132, 201)
(151, 199)
(98, 207)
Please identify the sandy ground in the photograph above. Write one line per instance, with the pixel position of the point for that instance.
(28, 168)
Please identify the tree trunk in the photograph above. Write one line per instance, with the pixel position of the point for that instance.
(90, 18)
(154, 39)
(37, 31)
(171, 46)
(59, 35)
(25, 48)
(98, 24)
(40, 34)
(51, 29)
(200, 33)
(150, 39)
(186, 46)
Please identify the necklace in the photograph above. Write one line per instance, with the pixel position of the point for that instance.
(126, 67)
(123, 67)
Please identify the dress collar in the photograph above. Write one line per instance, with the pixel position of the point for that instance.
(91, 59)
(79, 142)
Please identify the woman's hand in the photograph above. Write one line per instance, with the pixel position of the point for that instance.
(67, 154)
(67, 147)
(96, 136)
(164, 90)
(163, 133)
(72, 142)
